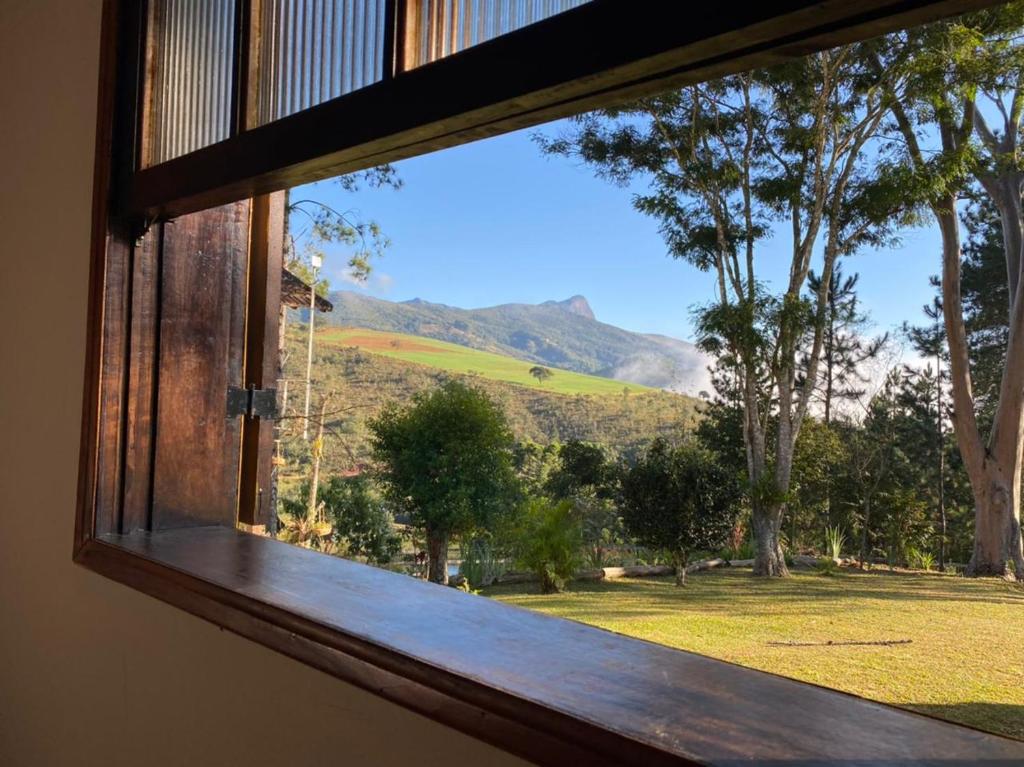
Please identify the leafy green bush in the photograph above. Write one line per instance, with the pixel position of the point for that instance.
(549, 540)
(362, 526)
(827, 566)
(680, 499)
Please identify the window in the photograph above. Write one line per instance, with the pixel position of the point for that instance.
(204, 120)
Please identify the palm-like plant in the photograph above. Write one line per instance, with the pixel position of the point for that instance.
(299, 526)
(835, 538)
(920, 560)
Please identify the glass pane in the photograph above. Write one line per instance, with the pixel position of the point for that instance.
(439, 28)
(191, 87)
(316, 50)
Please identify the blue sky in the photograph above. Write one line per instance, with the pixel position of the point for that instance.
(497, 222)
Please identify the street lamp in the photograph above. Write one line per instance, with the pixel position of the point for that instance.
(316, 262)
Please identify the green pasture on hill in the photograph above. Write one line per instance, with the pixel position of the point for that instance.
(466, 361)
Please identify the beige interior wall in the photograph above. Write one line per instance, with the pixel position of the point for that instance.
(92, 673)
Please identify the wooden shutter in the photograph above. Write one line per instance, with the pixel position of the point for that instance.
(192, 309)
(256, 476)
(201, 349)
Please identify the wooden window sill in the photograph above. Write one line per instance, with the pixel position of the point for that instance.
(550, 690)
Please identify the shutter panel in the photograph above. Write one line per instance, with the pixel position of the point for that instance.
(140, 392)
(201, 348)
(256, 497)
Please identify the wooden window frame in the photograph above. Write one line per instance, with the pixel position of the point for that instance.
(587, 696)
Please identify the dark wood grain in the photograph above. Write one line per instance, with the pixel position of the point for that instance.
(202, 314)
(261, 354)
(109, 472)
(605, 697)
(600, 53)
(141, 389)
(245, 67)
(154, 12)
(100, 465)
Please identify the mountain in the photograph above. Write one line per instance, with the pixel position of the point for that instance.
(563, 334)
(576, 305)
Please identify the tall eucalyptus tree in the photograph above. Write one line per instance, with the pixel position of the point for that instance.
(958, 108)
(782, 153)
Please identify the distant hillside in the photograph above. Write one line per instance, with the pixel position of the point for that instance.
(471, 362)
(561, 334)
(625, 418)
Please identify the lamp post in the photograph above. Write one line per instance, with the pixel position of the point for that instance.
(316, 261)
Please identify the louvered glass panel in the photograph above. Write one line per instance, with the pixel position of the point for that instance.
(316, 50)
(192, 66)
(439, 28)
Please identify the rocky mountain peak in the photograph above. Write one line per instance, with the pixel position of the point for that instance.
(575, 305)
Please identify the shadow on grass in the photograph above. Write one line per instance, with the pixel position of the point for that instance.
(1001, 718)
(736, 592)
(844, 585)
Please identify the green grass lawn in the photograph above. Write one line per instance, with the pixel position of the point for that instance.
(462, 359)
(965, 661)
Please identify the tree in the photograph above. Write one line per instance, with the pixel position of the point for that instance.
(541, 373)
(307, 525)
(985, 295)
(317, 454)
(844, 349)
(872, 451)
(534, 466)
(819, 457)
(889, 474)
(720, 430)
(581, 465)
(924, 393)
(725, 160)
(362, 526)
(923, 429)
(600, 523)
(588, 479)
(446, 460)
(314, 226)
(955, 80)
(680, 500)
(549, 542)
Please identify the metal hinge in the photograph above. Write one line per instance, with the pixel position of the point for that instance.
(252, 402)
(140, 228)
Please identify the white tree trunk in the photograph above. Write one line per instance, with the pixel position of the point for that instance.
(769, 560)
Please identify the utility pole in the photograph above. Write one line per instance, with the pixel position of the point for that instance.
(316, 263)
